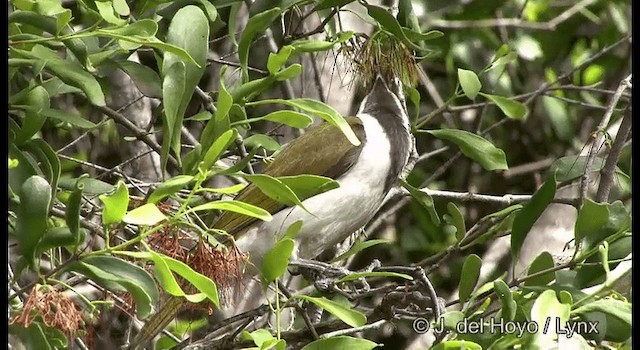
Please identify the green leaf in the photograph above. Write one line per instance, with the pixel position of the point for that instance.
(73, 209)
(319, 109)
(141, 28)
(201, 116)
(235, 206)
(276, 60)
(474, 147)
(425, 200)
(112, 272)
(31, 221)
(307, 186)
(145, 78)
(115, 205)
(274, 189)
(60, 237)
(618, 309)
(591, 218)
(457, 221)
(198, 280)
(358, 275)
(572, 167)
(188, 30)
(47, 158)
(469, 276)
(170, 11)
(91, 186)
(542, 262)
(173, 88)
(547, 307)
(558, 114)
(301, 46)
(389, 23)
(418, 37)
(293, 230)
(32, 337)
(406, 17)
(107, 12)
(68, 71)
(256, 25)
(38, 98)
(509, 306)
(261, 140)
(64, 117)
(146, 214)
(414, 96)
(326, 4)
(289, 118)
(511, 108)
(225, 190)
(502, 60)
(358, 247)
(341, 341)
(169, 187)
(451, 319)
(219, 124)
(276, 260)
(457, 345)
(347, 315)
(260, 336)
(530, 212)
(217, 148)
(56, 24)
(121, 7)
(469, 82)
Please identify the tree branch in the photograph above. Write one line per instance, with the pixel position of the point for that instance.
(598, 138)
(137, 132)
(609, 168)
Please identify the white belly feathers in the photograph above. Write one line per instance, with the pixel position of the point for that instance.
(336, 213)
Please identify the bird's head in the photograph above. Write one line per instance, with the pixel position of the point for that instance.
(386, 92)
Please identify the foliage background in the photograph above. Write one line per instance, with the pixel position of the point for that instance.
(78, 106)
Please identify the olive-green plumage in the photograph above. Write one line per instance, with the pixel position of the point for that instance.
(299, 157)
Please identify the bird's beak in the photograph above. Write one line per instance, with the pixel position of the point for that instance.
(384, 92)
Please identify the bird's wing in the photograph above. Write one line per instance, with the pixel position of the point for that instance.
(298, 158)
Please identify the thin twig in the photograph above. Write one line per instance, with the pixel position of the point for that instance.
(302, 312)
(137, 132)
(609, 168)
(598, 138)
(507, 199)
(550, 25)
(347, 331)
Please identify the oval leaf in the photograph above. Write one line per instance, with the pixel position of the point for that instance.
(115, 205)
(542, 262)
(474, 147)
(276, 260)
(469, 82)
(341, 342)
(469, 276)
(147, 214)
(530, 212)
(511, 108)
(347, 315)
(235, 206)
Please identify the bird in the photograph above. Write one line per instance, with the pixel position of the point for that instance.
(365, 173)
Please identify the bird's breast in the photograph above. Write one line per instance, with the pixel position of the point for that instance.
(335, 214)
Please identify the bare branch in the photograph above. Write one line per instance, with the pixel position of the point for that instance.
(609, 168)
(137, 132)
(507, 199)
(598, 138)
(514, 22)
